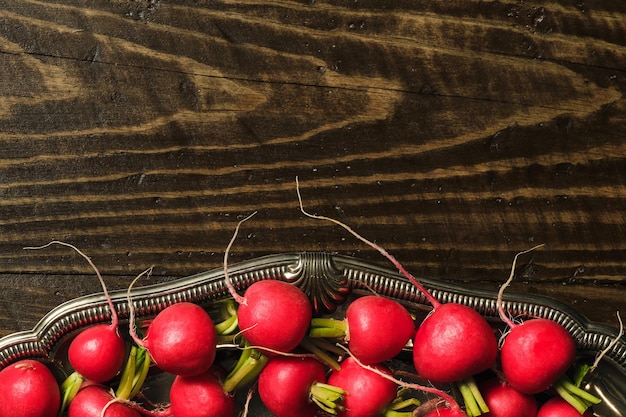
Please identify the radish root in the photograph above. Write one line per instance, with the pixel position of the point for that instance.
(610, 346)
(114, 318)
(231, 288)
(508, 282)
(432, 300)
(132, 329)
(430, 390)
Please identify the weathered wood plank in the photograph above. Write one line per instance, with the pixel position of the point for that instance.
(453, 133)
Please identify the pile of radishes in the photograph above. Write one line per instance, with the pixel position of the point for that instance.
(269, 342)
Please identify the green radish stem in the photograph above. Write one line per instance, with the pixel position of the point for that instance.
(249, 365)
(227, 311)
(319, 348)
(328, 328)
(69, 388)
(134, 373)
(327, 397)
(401, 407)
(432, 300)
(475, 405)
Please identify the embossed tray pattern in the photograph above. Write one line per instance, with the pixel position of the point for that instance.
(328, 279)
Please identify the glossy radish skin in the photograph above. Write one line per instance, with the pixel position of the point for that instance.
(558, 407)
(505, 401)
(454, 342)
(448, 412)
(368, 393)
(29, 390)
(97, 353)
(200, 396)
(275, 315)
(91, 400)
(182, 340)
(371, 338)
(535, 354)
(284, 385)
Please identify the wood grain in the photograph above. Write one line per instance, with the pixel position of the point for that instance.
(455, 134)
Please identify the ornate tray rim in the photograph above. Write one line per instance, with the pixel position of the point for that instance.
(327, 278)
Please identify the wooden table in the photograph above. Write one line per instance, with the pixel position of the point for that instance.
(454, 134)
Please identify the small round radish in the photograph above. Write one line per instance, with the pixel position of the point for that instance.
(368, 392)
(91, 401)
(98, 352)
(454, 342)
(378, 328)
(505, 401)
(29, 390)
(181, 339)
(200, 396)
(285, 384)
(274, 315)
(535, 353)
(558, 407)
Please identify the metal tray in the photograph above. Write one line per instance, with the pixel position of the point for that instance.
(330, 280)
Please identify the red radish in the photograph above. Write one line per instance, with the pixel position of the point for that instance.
(446, 412)
(454, 337)
(368, 392)
(453, 343)
(558, 407)
(97, 353)
(366, 328)
(200, 396)
(273, 315)
(505, 401)
(92, 400)
(535, 353)
(285, 385)
(181, 339)
(29, 390)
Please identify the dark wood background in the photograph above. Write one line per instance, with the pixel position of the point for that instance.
(453, 133)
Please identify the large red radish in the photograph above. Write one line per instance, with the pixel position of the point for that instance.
(367, 330)
(93, 400)
(505, 401)
(29, 390)
(287, 386)
(273, 315)
(368, 392)
(453, 343)
(200, 396)
(535, 353)
(97, 353)
(181, 339)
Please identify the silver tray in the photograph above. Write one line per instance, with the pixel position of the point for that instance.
(330, 280)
